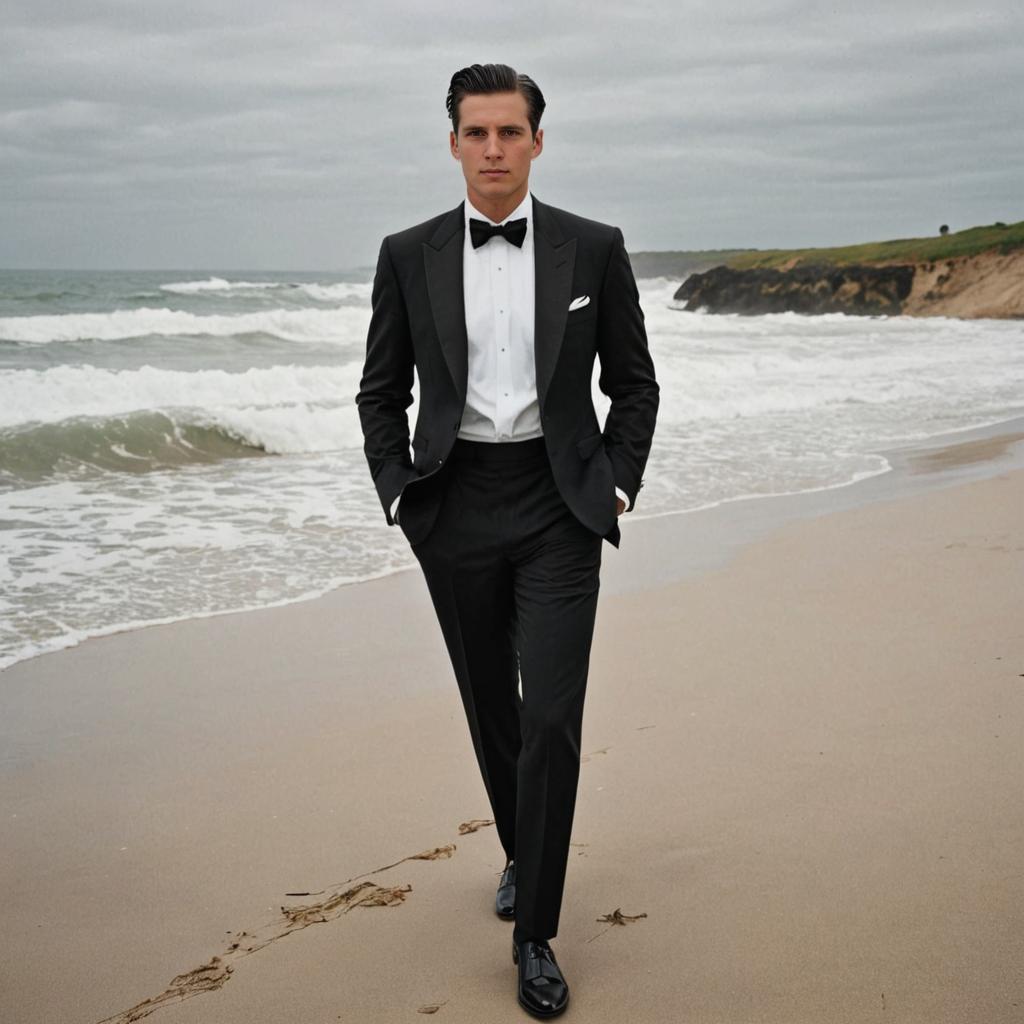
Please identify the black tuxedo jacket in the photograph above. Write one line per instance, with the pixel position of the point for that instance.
(418, 321)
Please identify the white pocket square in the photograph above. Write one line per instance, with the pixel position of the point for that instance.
(579, 302)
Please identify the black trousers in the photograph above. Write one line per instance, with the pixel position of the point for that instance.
(514, 579)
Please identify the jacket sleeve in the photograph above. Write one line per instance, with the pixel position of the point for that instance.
(385, 390)
(627, 372)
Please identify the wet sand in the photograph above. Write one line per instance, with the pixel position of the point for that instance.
(800, 797)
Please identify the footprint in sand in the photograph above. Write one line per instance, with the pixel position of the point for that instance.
(338, 899)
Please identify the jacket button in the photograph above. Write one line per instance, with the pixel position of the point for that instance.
(440, 462)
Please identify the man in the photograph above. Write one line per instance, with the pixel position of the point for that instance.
(501, 306)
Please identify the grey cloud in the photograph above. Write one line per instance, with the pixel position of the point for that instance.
(269, 135)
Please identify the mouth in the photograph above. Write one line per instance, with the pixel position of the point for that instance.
(494, 174)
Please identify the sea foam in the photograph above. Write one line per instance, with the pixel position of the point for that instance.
(333, 292)
(298, 325)
(280, 408)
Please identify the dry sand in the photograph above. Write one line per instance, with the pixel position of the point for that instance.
(801, 790)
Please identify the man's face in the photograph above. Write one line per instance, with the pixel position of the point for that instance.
(495, 148)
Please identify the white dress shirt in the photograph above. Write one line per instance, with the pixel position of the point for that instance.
(498, 290)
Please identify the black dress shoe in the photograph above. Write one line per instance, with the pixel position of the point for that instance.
(505, 901)
(542, 989)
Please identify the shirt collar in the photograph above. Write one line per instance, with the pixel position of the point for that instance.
(524, 209)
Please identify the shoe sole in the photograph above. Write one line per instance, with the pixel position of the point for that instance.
(542, 1016)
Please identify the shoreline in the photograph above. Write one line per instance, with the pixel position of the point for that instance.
(671, 545)
(898, 458)
(798, 776)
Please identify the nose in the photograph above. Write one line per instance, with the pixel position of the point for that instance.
(493, 145)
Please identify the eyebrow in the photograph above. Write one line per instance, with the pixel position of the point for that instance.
(501, 127)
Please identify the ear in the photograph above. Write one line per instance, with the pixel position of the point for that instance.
(453, 145)
(538, 143)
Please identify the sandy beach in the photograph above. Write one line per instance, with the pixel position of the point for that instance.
(800, 798)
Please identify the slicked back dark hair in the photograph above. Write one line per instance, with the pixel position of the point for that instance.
(481, 79)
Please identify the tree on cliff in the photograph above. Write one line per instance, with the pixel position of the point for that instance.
(944, 230)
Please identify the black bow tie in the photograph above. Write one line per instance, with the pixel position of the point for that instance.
(513, 230)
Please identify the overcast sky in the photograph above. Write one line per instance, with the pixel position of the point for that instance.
(295, 134)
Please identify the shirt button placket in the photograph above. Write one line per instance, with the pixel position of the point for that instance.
(501, 338)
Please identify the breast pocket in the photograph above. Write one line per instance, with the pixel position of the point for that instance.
(584, 315)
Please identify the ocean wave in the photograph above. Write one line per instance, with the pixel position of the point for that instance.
(339, 291)
(217, 284)
(142, 442)
(31, 397)
(340, 324)
(45, 295)
(343, 290)
(136, 443)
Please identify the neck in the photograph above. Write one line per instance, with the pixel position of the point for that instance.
(498, 209)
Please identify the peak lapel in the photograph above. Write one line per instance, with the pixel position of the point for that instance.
(554, 260)
(442, 264)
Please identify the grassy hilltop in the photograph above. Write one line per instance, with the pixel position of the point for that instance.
(996, 237)
(999, 237)
(976, 273)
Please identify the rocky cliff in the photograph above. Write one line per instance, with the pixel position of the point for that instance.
(986, 284)
(804, 289)
(989, 284)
